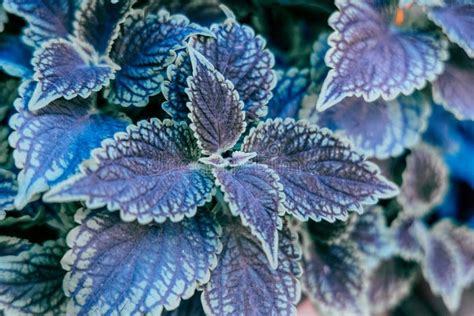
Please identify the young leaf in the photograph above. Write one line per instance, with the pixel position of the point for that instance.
(68, 69)
(5, 150)
(97, 22)
(8, 191)
(254, 193)
(408, 234)
(146, 46)
(241, 58)
(15, 57)
(380, 129)
(51, 142)
(130, 269)
(425, 181)
(149, 173)
(243, 282)
(47, 19)
(322, 176)
(174, 88)
(216, 110)
(372, 58)
(31, 278)
(8, 94)
(455, 18)
(319, 70)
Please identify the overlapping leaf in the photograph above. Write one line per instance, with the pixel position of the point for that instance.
(51, 142)
(149, 173)
(371, 57)
(254, 193)
(68, 69)
(5, 150)
(216, 110)
(146, 46)
(319, 70)
(31, 277)
(8, 191)
(174, 87)
(408, 234)
(322, 177)
(15, 57)
(8, 94)
(126, 268)
(243, 282)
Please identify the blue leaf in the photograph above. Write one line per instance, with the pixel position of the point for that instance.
(51, 143)
(15, 57)
(8, 191)
(151, 172)
(174, 87)
(319, 70)
(68, 69)
(131, 269)
(147, 45)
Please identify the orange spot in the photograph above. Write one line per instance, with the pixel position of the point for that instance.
(399, 17)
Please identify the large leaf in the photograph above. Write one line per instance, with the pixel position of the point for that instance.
(146, 46)
(47, 19)
(131, 269)
(68, 69)
(51, 142)
(15, 57)
(372, 57)
(381, 128)
(8, 191)
(243, 282)
(322, 176)
(254, 193)
(31, 277)
(149, 173)
(216, 110)
(174, 88)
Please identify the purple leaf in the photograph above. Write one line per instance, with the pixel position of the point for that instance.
(15, 57)
(51, 143)
(453, 88)
(240, 56)
(408, 234)
(149, 173)
(425, 181)
(97, 22)
(322, 177)
(174, 88)
(68, 69)
(243, 282)
(380, 129)
(147, 45)
(254, 193)
(8, 191)
(216, 110)
(456, 20)
(47, 19)
(371, 57)
(131, 269)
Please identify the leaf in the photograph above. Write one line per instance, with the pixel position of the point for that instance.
(254, 193)
(322, 176)
(149, 173)
(319, 70)
(8, 191)
(146, 46)
(240, 56)
(381, 128)
(130, 269)
(408, 234)
(453, 88)
(97, 22)
(243, 282)
(455, 18)
(31, 278)
(51, 142)
(5, 150)
(333, 277)
(425, 181)
(68, 69)
(15, 57)
(288, 94)
(174, 87)
(47, 19)
(216, 110)
(371, 57)
(389, 284)
(8, 94)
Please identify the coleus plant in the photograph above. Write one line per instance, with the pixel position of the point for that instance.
(230, 194)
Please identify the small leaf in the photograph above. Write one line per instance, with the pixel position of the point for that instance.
(8, 94)
(149, 173)
(425, 181)
(371, 57)
(31, 278)
(15, 57)
(51, 142)
(174, 88)
(68, 69)
(147, 45)
(322, 176)
(130, 269)
(5, 150)
(319, 70)
(243, 282)
(408, 234)
(216, 110)
(97, 22)
(47, 19)
(254, 193)
(8, 191)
